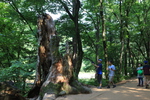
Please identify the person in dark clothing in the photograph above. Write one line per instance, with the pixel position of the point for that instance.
(146, 69)
(99, 72)
(140, 75)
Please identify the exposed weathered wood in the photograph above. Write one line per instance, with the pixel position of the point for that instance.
(54, 74)
(45, 31)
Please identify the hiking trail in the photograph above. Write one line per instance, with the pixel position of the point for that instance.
(125, 90)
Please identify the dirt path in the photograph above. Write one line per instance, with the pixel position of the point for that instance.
(127, 90)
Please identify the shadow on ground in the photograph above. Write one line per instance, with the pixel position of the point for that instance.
(125, 90)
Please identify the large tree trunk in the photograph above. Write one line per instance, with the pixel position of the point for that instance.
(54, 75)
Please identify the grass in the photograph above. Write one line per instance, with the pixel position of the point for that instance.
(93, 82)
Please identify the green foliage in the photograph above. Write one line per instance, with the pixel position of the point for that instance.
(127, 28)
(19, 72)
(88, 81)
(93, 82)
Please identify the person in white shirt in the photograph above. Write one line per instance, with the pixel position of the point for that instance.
(111, 68)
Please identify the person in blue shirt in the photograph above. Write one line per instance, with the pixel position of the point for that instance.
(99, 72)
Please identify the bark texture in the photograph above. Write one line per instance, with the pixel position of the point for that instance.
(55, 73)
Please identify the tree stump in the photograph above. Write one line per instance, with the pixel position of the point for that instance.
(54, 75)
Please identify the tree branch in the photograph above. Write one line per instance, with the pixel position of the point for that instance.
(12, 4)
(66, 8)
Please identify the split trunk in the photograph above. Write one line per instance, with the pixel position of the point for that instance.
(54, 73)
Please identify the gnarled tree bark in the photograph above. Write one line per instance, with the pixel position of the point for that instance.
(55, 73)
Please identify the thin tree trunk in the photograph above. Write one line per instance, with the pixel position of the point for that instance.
(97, 45)
(97, 27)
(128, 52)
(125, 63)
(103, 32)
(121, 37)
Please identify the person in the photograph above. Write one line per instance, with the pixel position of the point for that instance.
(99, 72)
(140, 75)
(146, 69)
(111, 68)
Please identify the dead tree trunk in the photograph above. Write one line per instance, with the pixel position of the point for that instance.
(54, 75)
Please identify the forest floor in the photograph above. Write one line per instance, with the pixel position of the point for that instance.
(125, 90)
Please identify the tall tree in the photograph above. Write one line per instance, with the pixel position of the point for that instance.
(103, 31)
(77, 44)
(92, 10)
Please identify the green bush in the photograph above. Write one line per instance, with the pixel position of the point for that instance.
(18, 73)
